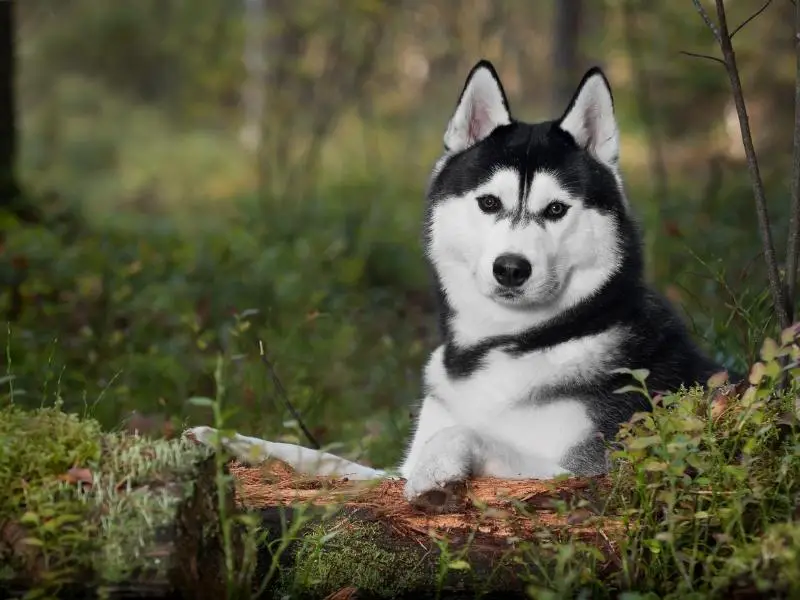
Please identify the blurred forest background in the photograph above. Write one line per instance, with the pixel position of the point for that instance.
(197, 176)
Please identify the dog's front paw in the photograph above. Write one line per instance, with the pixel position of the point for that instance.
(438, 486)
(440, 499)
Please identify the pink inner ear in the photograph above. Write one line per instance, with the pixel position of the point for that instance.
(479, 116)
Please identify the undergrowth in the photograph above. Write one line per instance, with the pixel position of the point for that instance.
(127, 317)
(704, 502)
(706, 490)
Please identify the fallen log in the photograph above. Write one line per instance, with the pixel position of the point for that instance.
(364, 540)
(92, 514)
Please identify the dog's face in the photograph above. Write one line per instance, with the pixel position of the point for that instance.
(526, 216)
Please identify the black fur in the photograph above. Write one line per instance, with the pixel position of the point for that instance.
(656, 338)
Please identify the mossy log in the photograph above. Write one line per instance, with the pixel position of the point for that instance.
(91, 514)
(108, 515)
(364, 540)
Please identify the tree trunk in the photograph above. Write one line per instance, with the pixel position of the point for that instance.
(8, 130)
(254, 58)
(566, 54)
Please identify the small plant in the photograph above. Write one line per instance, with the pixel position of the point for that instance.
(705, 474)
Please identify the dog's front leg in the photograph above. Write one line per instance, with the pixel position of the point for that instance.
(440, 458)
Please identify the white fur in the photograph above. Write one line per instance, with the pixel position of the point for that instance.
(514, 430)
(591, 121)
(571, 258)
(480, 111)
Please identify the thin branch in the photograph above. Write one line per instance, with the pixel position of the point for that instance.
(773, 275)
(705, 56)
(714, 29)
(751, 17)
(285, 397)
(793, 243)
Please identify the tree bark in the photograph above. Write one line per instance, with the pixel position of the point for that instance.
(364, 540)
(793, 245)
(254, 89)
(8, 111)
(566, 56)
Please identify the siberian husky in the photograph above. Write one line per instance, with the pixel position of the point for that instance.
(538, 264)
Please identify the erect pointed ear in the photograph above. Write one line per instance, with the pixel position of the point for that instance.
(590, 119)
(481, 108)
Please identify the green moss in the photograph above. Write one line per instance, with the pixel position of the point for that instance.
(138, 486)
(340, 554)
(106, 525)
(37, 446)
(46, 531)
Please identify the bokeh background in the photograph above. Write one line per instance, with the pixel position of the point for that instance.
(211, 174)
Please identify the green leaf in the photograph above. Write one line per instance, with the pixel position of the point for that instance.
(788, 335)
(769, 350)
(653, 546)
(640, 443)
(200, 401)
(29, 518)
(690, 424)
(629, 388)
(757, 373)
(772, 369)
(30, 541)
(717, 380)
(57, 522)
(459, 565)
(655, 465)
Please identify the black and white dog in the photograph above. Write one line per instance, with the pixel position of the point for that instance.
(538, 264)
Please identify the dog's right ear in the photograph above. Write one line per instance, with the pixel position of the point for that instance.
(590, 119)
(482, 107)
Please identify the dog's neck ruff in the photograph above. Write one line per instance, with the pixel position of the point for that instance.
(610, 305)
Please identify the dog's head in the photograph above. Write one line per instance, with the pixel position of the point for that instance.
(524, 219)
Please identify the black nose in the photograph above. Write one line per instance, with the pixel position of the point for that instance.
(511, 270)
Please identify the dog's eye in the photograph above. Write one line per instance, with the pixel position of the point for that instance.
(489, 203)
(554, 211)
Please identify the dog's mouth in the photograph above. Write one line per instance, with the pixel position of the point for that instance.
(508, 294)
(518, 298)
(510, 297)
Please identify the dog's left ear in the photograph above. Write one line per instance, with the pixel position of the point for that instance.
(482, 107)
(590, 119)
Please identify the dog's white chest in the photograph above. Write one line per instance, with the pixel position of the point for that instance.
(505, 402)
